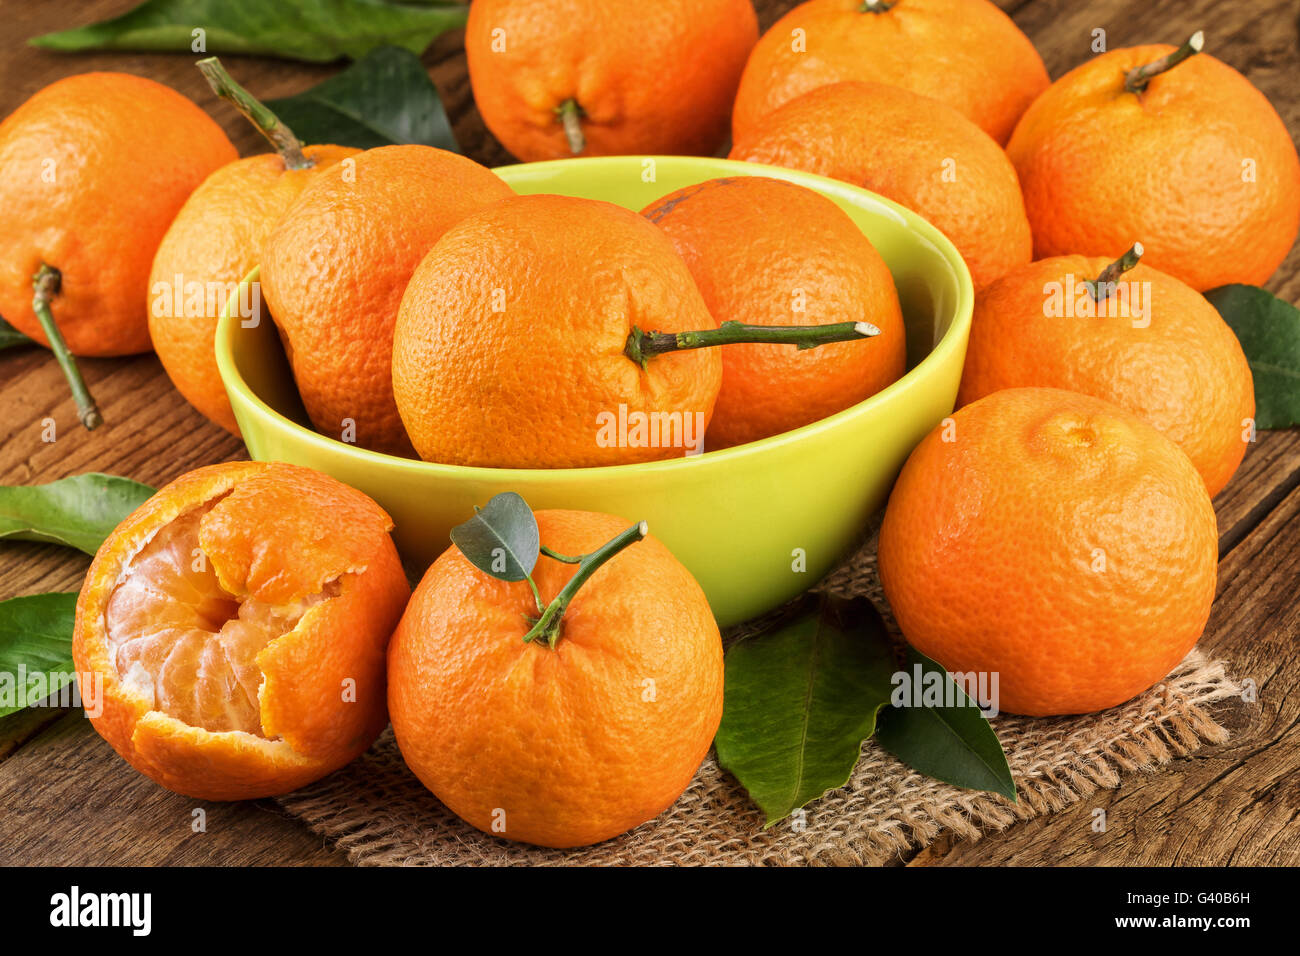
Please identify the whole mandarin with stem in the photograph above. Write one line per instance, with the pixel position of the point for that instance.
(535, 325)
(1054, 540)
(769, 252)
(559, 78)
(336, 264)
(1196, 163)
(911, 149)
(967, 54)
(1124, 332)
(93, 168)
(526, 711)
(235, 626)
(216, 240)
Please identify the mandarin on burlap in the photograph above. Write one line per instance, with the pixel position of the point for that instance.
(378, 813)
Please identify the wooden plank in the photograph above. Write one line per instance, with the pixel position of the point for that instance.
(1269, 472)
(69, 799)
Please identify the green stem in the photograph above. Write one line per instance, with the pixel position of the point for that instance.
(571, 114)
(548, 626)
(268, 124)
(564, 558)
(46, 283)
(1136, 79)
(1101, 287)
(874, 6)
(642, 346)
(537, 595)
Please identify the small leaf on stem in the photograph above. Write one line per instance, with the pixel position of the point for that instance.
(548, 625)
(501, 539)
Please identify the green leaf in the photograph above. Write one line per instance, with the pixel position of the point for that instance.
(800, 699)
(501, 539)
(11, 336)
(1269, 331)
(314, 30)
(386, 97)
(35, 648)
(955, 744)
(80, 511)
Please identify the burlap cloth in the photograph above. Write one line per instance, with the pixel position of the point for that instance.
(380, 814)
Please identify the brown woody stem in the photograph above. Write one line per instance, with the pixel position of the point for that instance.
(46, 283)
(643, 346)
(570, 114)
(1101, 287)
(1136, 79)
(268, 124)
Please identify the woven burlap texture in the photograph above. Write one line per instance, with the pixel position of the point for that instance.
(377, 812)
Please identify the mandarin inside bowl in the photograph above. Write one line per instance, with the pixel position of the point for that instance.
(756, 524)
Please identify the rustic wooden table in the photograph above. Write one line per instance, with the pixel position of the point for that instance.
(68, 799)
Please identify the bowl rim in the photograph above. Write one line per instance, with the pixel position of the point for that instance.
(952, 339)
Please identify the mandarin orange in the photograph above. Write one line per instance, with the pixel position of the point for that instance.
(214, 241)
(556, 78)
(510, 345)
(335, 266)
(567, 742)
(768, 252)
(237, 622)
(966, 53)
(1150, 344)
(910, 149)
(93, 168)
(1193, 161)
(1054, 541)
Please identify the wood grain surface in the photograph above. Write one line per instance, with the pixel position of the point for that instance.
(68, 799)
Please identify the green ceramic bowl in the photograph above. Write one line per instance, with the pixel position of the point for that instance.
(756, 524)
